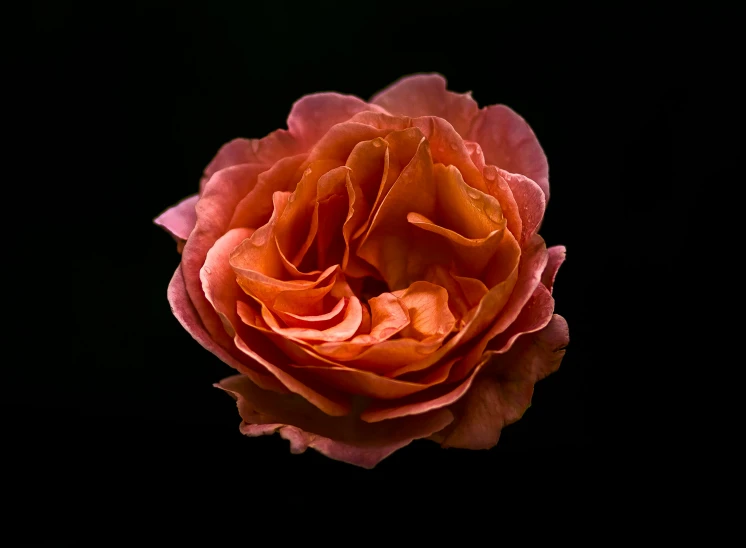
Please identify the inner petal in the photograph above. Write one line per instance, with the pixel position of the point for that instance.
(342, 330)
(318, 322)
(296, 227)
(387, 241)
(427, 304)
(462, 208)
(389, 315)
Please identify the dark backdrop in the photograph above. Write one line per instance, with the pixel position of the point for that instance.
(131, 103)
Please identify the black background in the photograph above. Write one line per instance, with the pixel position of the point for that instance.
(131, 103)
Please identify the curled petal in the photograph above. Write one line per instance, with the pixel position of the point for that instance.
(462, 208)
(266, 151)
(449, 148)
(533, 262)
(474, 254)
(219, 281)
(255, 207)
(214, 210)
(385, 244)
(313, 115)
(184, 311)
(556, 256)
(388, 316)
(341, 331)
(530, 200)
(492, 305)
(317, 322)
(426, 95)
(509, 143)
(340, 140)
(429, 315)
(351, 441)
(297, 225)
(180, 219)
(535, 317)
(352, 380)
(260, 252)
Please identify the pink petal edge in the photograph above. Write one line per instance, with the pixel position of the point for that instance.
(557, 255)
(180, 219)
(341, 438)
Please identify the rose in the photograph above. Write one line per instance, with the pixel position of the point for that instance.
(374, 272)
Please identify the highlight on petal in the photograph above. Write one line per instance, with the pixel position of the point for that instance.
(509, 143)
(342, 438)
(180, 219)
(426, 95)
(556, 256)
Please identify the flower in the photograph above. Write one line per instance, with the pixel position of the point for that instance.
(374, 272)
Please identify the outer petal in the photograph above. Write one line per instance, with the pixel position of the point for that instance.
(426, 95)
(556, 256)
(266, 151)
(214, 211)
(184, 310)
(342, 438)
(503, 392)
(313, 115)
(180, 219)
(509, 143)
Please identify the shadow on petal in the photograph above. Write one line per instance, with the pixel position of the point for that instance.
(342, 438)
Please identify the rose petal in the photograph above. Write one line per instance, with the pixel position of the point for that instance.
(506, 267)
(266, 151)
(385, 244)
(533, 318)
(446, 145)
(340, 140)
(533, 262)
(180, 219)
(530, 201)
(255, 207)
(214, 211)
(318, 322)
(313, 115)
(509, 143)
(219, 281)
(556, 256)
(297, 225)
(503, 393)
(473, 254)
(184, 311)
(343, 330)
(429, 315)
(389, 316)
(351, 441)
(426, 95)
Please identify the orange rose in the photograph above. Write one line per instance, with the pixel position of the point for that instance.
(374, 272)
